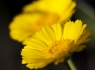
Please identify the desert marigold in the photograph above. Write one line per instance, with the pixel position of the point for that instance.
(26, 24)
(61, 8)
(54, 44)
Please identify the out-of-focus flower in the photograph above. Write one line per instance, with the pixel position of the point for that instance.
(49, 12)
(62, 8)
(54, 44)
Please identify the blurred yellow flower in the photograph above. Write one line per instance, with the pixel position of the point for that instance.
(49, 12)
(54, 43)
(62, 8)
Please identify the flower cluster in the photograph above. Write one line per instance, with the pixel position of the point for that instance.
(45, 29)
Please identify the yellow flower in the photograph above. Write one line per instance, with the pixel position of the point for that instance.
(26, 24)
(62, 8)
(54, 44)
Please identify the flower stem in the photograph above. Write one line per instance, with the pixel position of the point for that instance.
(72, 65)
(69, 65)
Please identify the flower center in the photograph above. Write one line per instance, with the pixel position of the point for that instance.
(58, 50)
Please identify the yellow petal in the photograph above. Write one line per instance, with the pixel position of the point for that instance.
(84, 37)
(57, 30)
(78, 48)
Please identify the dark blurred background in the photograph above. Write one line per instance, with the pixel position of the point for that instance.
(10, 58)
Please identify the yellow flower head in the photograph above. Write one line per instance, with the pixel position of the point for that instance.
(54, 44)
(62, 8)
(25, 25)
(49, 12)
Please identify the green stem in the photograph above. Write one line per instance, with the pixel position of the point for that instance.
(69, 65)
(72, 65)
